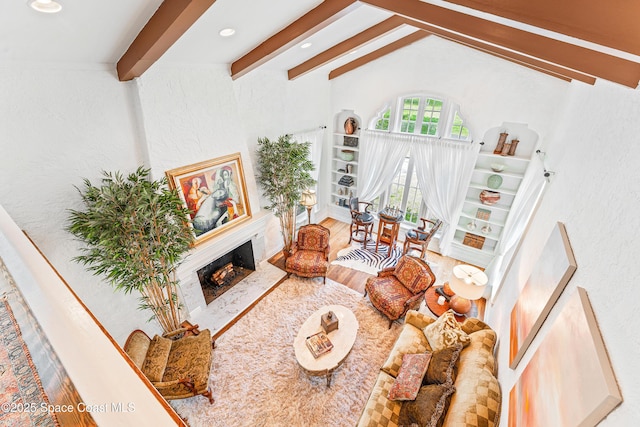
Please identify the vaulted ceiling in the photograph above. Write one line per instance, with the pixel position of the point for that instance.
(580, 40)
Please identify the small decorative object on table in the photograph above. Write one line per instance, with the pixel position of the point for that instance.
(329, 322)
(319, 344)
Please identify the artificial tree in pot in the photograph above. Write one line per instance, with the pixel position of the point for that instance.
(283, 174)
(136, 232)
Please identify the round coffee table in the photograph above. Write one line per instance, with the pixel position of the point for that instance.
(342, 339)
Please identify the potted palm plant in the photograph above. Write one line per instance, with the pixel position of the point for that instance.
(136, 232)
(283, 174)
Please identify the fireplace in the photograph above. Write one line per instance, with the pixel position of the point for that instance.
(223, 273)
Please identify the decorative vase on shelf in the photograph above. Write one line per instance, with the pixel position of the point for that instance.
(505, 149)
(471, 225)
(350, 126)
(488, 197)
(486, 229)
(501, 141)
(347, 155)
(494, 182)
(514, 144)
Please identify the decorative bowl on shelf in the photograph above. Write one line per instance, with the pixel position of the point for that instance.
(489, 197)
(347, 155)
(497, 167)
(494, 182)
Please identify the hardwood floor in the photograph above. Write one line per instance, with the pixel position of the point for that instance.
(355, 279)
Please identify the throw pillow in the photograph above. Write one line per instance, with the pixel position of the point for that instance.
(429, 407)
(445, 332)
(443, 367)
(409, 379)
(156, 360)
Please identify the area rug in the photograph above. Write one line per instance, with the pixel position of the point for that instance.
(367, 259)
(256, 380)
(21, 392)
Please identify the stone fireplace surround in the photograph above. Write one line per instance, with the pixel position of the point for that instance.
(235, 301)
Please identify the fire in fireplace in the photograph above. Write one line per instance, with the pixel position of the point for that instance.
(222, 274)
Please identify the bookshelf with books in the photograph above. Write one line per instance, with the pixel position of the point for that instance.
(494, 184)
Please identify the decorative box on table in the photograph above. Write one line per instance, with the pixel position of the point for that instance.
(329, 321)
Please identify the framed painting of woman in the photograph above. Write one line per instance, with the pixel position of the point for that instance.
(215, 193)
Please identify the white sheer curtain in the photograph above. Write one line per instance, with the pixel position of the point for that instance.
(523, 207)
(314, 137)
(444, 168)
(381, 155)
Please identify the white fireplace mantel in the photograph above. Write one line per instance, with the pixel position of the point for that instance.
(203, 254)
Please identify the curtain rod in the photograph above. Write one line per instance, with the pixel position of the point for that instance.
(308, 130)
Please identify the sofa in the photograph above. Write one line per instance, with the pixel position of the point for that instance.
(461, 391)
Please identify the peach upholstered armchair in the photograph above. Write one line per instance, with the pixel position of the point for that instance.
(178, 368)
(310, 256)
(398, 289)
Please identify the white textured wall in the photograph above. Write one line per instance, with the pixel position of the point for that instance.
(57, 126)
(594, 151)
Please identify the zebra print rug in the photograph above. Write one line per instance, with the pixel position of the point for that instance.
(367, 260)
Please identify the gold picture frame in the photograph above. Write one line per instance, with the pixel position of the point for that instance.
(215, 193)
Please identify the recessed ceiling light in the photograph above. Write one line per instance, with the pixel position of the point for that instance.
(305, 45)
(227, 32)
(45, 6)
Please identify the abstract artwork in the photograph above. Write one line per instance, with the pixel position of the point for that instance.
(215, 193)
(547, 280)
(569, 380)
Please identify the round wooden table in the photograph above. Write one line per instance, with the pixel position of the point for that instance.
(431, 300)
(342, 339)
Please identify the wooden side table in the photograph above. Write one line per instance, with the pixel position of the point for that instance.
(388, 228)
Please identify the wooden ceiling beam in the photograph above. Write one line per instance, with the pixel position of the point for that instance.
(596, 21)
(172, 19)
(348, 45)
(310, 23)
(564, 54)
(533, 63)
(391, 47)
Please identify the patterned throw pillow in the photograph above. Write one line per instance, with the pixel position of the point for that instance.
(156, 359)
(443, 367)
(428, 408)
(445, 332)
(409, 380)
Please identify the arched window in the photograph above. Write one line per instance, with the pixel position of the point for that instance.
(420, 114)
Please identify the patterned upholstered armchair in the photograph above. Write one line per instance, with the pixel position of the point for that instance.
(310, 256)
(398, 289)
(177, 368)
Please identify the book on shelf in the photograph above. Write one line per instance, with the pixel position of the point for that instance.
(319, 344)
